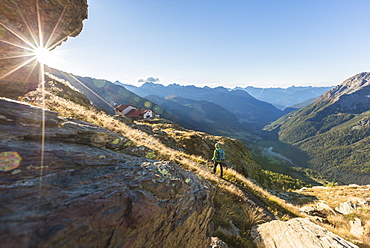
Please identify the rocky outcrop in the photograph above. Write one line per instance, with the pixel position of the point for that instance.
(349, 86)
(295, 233)
(79, 190)
(352, 95)
(357, 229)
(320, 211)
(347, 207)
(21, 23)
(217, 243)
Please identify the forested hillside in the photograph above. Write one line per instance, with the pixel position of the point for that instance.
(334, 131)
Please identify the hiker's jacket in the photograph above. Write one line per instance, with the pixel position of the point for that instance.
(216, 157)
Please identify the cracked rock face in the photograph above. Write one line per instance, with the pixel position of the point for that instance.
(88, 194)
(25, 25)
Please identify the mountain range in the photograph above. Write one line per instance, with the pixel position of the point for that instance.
(247, 108)
(104, 94)
(197, 115)
(334, 131)
(200, 115)
(283, 98)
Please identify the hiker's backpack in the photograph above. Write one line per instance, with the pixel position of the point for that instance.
(220, 155)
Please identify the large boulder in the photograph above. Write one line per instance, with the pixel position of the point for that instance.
(76, 189)
(22, 23)
(347, 207)
(298, 232)
(357, 228)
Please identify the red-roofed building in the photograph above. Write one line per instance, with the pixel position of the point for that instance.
(134, 112)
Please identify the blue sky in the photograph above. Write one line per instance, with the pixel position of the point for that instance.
(262, 43)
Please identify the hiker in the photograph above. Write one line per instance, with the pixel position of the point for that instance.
(218, 157)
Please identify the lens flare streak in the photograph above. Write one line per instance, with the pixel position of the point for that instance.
(90, 90)
(18, 67)
(20, 37)
(17, 56)
(52, 46)
(17, 45)
(39, 51)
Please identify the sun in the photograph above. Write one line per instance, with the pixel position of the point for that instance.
(43, 55)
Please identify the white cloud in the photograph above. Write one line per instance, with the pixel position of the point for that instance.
(149, 79)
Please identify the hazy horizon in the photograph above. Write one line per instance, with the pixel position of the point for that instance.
(139, 84)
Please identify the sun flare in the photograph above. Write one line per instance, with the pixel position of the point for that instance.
(43, 55)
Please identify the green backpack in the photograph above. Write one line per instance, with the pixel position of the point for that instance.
(220, 155)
